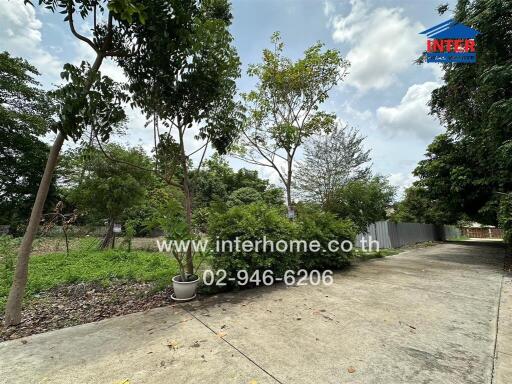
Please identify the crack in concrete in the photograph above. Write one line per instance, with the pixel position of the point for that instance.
(235, 348)
(493, 371)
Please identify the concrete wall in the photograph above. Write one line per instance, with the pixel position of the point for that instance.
(396, 235)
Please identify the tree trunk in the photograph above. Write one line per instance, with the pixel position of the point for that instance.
(288, 185)
(189, 265)
(15, 299)
(109, 236)
(14, 302)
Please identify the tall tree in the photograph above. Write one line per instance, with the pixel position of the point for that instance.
(114, 34)
(331, 161)
(283, 110)
(469, 167)
(417, 207)
(362, 201)
(216, 181)
(193, 90)
(111, 185)
(25, 115)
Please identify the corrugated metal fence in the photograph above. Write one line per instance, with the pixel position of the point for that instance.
(396, 235)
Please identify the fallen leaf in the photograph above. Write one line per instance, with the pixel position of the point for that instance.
(253, 382)
(124, 382)
(351, 369)
(221, 334)
(173, 344)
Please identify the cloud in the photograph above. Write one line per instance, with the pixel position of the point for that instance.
(401, 181)
(411, 116)
(328, 8)
(384, 42)
(20, 33)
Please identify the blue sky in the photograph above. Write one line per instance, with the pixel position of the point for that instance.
(384, 95)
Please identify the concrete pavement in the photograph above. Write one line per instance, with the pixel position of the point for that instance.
(441, 314)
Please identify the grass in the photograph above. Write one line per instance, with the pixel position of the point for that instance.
(363, 256)
(85, 265)
(458, 238)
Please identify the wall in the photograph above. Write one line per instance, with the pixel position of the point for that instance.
(396, 235)
(483, 233)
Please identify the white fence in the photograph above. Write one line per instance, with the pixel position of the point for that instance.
(396, 235)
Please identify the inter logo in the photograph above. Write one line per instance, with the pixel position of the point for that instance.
(451, 42)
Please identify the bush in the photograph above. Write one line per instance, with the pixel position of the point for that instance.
(244, 196)
(505, 218)
(324, 227)
(252, 222)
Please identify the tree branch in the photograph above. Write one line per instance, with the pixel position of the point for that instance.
(133, 165)
(75, 33)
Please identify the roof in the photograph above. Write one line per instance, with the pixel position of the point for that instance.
(450, 29)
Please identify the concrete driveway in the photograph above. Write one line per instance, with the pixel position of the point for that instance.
(440, 314)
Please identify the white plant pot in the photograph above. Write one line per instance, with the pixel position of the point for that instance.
(184, 290)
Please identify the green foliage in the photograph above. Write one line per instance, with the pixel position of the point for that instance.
(25, 114)
(283, 111)
(362, 201)
(100, 108)
(253, 222)
(56, 269)
(168, 214)
(467, 165)
(129, 233)
(186, 72)
(324, 227)
(505, 218)
(416, 207)
(258, 221)
(216, 182)
(200, 219)
(111, 184)
(8, 247)
(244, 196)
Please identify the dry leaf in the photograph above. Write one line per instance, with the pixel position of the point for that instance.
(351, 369)
(253, 382)
(221, 334)
(173, 344)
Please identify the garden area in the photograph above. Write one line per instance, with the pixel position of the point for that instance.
(83, 217)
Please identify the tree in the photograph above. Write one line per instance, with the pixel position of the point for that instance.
(362, 201)
(194, 89)
(331, 161)
(81, 100)
(111, 185)
(448, 183)
(25, 114)
(283, 110)
(213, 185)
(417, 207)
(469, 167)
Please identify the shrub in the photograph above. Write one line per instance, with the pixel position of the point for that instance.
(252, 222)
(324, 227)
(244, 196)
(200, 217)
(505, 218)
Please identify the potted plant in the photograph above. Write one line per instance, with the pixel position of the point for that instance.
(185, 284)
(168, 216)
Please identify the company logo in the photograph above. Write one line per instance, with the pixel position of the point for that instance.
(451, 42)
